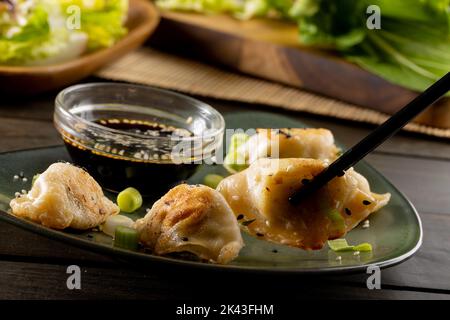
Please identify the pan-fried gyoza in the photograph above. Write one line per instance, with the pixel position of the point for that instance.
(65, 196)
(281, 143)
(259, 199)
(194, 219)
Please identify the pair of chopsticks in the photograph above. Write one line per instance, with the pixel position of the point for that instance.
(375, 138)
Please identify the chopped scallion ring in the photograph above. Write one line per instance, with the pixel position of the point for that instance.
(129, 200)
(126, 238)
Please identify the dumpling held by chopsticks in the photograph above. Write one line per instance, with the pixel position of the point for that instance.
(259, 199)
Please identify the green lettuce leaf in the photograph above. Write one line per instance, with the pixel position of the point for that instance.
(103, 21)
(39, 35)
(22, 44)
(412, 48)
(240, 9)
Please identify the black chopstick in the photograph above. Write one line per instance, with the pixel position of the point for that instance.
(375, 138)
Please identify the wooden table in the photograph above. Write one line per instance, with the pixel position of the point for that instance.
(34, 267)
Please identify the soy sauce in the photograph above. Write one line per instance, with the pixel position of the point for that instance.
(146, 173)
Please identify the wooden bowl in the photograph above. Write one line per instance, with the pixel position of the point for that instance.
(141, 22)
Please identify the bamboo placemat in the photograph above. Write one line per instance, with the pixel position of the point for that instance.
(151, 67)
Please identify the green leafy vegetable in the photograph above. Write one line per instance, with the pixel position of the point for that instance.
(37, 32)
(241, 9)
(101, 20)
(411, 49)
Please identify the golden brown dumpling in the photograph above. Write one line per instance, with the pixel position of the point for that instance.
(194, 219)
(291, 143)
(65, 196)
(259, 198)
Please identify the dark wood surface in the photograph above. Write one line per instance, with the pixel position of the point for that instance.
(34, 267)
(270, 49)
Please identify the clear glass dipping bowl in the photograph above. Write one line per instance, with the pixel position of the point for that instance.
(119, 157)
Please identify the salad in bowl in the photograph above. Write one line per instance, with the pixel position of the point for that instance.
(44, 32)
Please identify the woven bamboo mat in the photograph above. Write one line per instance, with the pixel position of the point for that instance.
(151, 67)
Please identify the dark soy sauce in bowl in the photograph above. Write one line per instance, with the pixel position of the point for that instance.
(128, 135)
(150, 171)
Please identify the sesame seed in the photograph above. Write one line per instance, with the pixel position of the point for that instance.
(17, 194)
(24, 191)
(24, 179)
(338, 258)
(16, 177)
(356, 253)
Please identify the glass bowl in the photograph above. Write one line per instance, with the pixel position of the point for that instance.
(128, 135)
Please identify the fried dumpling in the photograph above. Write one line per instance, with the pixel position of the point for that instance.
(65, 196)
(194, 219)
(291, 143)
(259, 198)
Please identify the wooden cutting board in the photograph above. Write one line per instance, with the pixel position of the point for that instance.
(269, 49)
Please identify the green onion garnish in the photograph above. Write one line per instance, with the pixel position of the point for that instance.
(341, 245)
(235, 161)
(129, 200)
(363, 247)
(212, 180)
(35, 177)
(126, 238)
(336, 219)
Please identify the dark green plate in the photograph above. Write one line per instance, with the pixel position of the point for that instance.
(395, 231)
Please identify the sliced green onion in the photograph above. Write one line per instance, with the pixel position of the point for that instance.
(232, 165)
(237, 140)
(336, 218)
(341, 245)
(363, 247)
(126, 238)
(129, 200)
(112, 222)
(235, 161)
(35, 177)
(212, 180)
